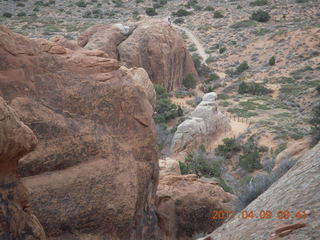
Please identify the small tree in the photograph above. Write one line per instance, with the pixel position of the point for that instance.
(7, 15)
(272, 61)
(218, 14)
(189, 82)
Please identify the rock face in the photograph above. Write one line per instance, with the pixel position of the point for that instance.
(17, 221)
(297, 191)
(185, 206)
(103, 37)
(204, 125)
(151, 44)
(95, 169)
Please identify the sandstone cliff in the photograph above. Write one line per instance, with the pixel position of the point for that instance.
(17, 221)
(150, 43)
(297, 191)
(95, 169)
(204, 125)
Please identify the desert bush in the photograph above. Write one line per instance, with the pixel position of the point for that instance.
(82, 4)
(189, 81)
(315, 122)
(165, 109)
(272, 61)
(7, 15)
(212, 78)
(178, 21)
(209, 8)
(20, 5)
(181, 13)
(259, 3)
(260, 16)
(222, 50)
(21, 14)
(151, 12)
(248, 192)
(318, 89)
(253, 88)
(229, 147)
(250, 161)
(217, 14)
(201, 164)
(243, 24)
(242, 67)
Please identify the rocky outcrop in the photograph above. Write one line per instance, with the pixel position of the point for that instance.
(296, 192)
(150, 43)
(204, 125)
(17, 221)
(185, 206)
(103, 37)
(95, 169)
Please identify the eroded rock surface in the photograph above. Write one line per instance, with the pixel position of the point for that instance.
(297, 191)
(151, 44)
(203, 126)
(95, 169)
(185, 206)
(17, 221)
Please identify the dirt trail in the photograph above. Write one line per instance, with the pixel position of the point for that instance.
(200, 48)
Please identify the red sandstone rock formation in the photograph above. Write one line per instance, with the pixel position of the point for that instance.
(185, 206)
(95, 169)
(17, 221)
(151, 44)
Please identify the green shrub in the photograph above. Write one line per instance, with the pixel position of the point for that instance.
(244, 24)
(213, 77)
(218, 14)
(7, 15)
(318, 89)
(259, 3)
(82, 4)
(151, 12)
(222, 50)
(260, 16)
(20, 4)
(189, 81)
(21, 14)
(165, 109)
(250, 161)
(230, 146)
(181, 13)
(178, 21)
(315, 122)
(209, 8)
(272, 61)
(201, 164)
(251, 189)
(253, 88)
(242, 67)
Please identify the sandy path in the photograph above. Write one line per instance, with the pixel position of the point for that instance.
(193, 38)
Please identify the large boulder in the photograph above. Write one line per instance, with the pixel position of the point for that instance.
(296, 193)
(16, 218)
(150, 43)
(204, 125)
(185, 206)
(103, 37)
(95, 169)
